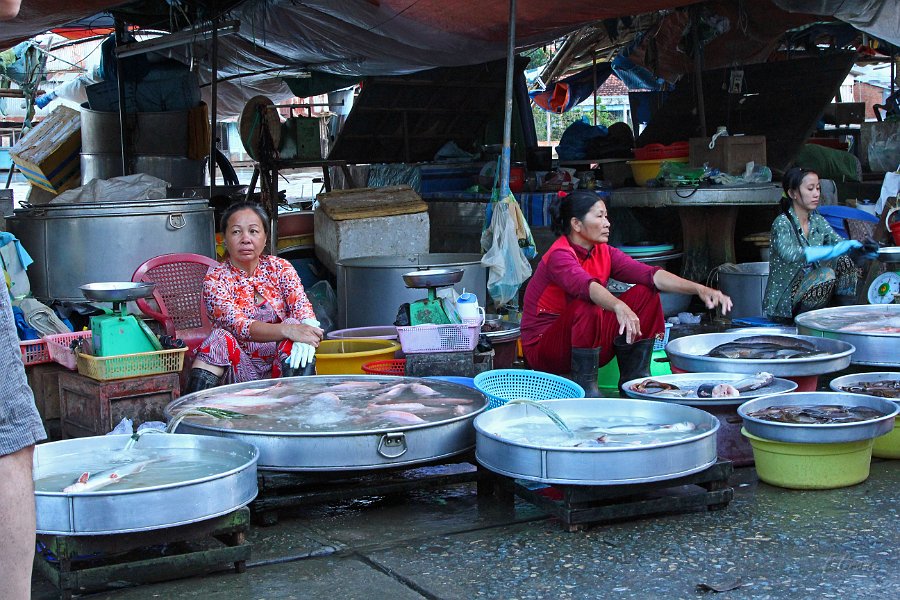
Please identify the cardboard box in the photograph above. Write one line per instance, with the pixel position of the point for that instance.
(49, 155)
(391, 221)
(730, 154)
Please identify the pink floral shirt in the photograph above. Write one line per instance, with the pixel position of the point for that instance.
(230, 294)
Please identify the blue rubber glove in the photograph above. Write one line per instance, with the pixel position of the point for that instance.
(817, 253)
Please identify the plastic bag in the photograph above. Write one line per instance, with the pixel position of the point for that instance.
(125, 426)
(324, 303)
(889, 188)
(507, 266)
(884, 149)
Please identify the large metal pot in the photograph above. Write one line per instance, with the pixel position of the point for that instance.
(150, 132)
(872, 329)
(75, 244)
(370, 289)
(109, 510)
(178, 171)
(290, 449)
(597, 465)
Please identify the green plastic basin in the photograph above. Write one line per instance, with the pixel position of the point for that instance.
(888, 445)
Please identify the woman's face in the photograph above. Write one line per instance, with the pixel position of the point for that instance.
(245, 237)
(806, 197)
(594, 226)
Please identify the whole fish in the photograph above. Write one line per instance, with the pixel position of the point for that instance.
(886, 388)
(816, 414)
(88, 483)
(637, 429)
(726, 390)
(403, 417)
(764, 347)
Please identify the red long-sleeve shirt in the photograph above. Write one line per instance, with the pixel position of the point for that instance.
(565, 270)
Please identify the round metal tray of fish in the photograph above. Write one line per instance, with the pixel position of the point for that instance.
(874, 329)
(614, 441)
(742, 353)
(95, 486)
(337, 422)
(825, 404)
(707, 389)
(884, 384)
(506, 332)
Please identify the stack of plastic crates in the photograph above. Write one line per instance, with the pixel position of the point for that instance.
(60, 347)
(34, 352)
(503, 385)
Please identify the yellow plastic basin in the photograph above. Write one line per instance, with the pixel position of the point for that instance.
(347, 356)
(888, 445)
(810, 466)
(644, 170)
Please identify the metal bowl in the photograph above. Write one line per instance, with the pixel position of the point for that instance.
(827, 433)
(433, 278)
(110, 510)
(778, 330)
(597, 465)
(117, 291)
(871, 330)
(693, 380)
(838, 383)
(891, 254)
(689, 354)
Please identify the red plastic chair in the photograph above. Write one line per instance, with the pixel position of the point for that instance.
(178, 295)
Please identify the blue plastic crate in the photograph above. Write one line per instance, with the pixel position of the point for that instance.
(503, 385)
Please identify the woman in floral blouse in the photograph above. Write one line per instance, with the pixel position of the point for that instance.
(256, 303)
(807, 262)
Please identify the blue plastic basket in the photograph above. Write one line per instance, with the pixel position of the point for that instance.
(503, 385)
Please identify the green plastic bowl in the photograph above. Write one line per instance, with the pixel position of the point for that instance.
(888, 445)
(810, 466)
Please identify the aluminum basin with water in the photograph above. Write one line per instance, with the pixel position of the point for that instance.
(348, 445)
(597, 465)
(109, 510)
(874, 330)
(689, 354)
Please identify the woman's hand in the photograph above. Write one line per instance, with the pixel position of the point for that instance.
(302, 333)
(629, 324)
(713, 298)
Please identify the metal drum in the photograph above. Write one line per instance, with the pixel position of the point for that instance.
(689, 354)
(596, 465)
(348, 444)
(874, 330)
(227, 483)
(819, 433)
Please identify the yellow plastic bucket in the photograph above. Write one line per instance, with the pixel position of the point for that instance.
(347, 356)
(888, 445)
(643, 170)
(810, 466)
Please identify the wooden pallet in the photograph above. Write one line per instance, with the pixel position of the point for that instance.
(85, 563)
(280, 490)
(579, 506)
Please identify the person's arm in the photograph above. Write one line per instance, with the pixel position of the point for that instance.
(785, 242)
(669, 282)
(629, 323)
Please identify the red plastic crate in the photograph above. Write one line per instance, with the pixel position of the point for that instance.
(661, 151)
(34, 352)
(394, 366)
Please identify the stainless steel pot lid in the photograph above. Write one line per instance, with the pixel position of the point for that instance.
(891, 254)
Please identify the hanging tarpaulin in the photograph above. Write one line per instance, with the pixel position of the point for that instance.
(567, 93)
(880, 18)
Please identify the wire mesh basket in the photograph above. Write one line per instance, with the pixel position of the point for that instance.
(60, 347)
(503, 385)
(417, 339)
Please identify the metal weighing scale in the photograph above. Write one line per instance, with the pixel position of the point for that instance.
(885, 289)
(116, 332)
(431, 310)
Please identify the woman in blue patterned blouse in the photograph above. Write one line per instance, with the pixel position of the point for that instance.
(807, 258)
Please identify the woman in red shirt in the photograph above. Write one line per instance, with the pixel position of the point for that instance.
(257, 305)
(571, 323)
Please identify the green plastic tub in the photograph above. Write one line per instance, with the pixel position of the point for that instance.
(608, 375)
(888, 445)
(810, 466)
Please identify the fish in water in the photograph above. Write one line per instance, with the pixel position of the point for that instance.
(355, 386)
(765, 347)
(88, 483)
(638, 429)
(816, 414)
(886, 388)
(732, 390)
(406, 389)
(402, 417)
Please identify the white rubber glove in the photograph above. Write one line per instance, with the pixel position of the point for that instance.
(298, 354)
(308, 352)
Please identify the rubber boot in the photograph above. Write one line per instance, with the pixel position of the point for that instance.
(634, 360)
(584, 370)
(201, 379)
(288, 371)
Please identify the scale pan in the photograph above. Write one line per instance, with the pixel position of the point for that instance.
(432, 278)
(117, 291)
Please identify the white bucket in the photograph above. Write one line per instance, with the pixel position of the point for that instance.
(746, 285)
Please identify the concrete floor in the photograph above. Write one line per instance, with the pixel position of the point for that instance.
(773, 543)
